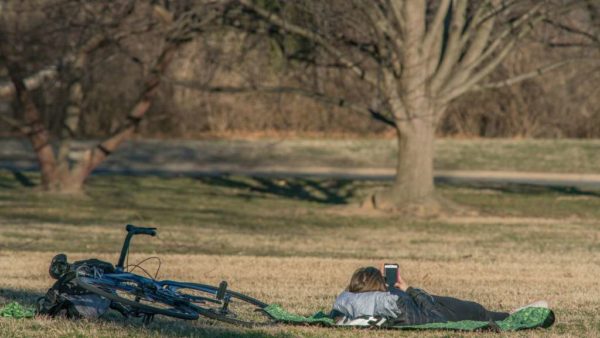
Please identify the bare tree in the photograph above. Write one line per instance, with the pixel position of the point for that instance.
(58, 36)
(413, 57)
(66, 171)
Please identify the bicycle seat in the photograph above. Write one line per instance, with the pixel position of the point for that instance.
(132, 229)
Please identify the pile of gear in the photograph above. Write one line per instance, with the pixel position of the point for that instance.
(66, 298)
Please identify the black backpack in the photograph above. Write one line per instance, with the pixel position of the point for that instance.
(66, 298)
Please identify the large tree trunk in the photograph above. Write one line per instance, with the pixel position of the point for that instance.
(413, 183)
(414, 112)
(414, 115)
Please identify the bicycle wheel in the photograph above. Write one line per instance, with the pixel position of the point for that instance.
(139, 294)
(240, 309)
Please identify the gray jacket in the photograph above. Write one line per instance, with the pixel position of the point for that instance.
(367, 304)
(414, 306)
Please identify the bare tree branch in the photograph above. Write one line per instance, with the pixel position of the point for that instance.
(570, 45)
(96, 155)
(434, 31)
(432, 44)
(478, 34)
(507, 36)
(494, 11)
(180, 32)
(34, 81)
(570, 29)
(38, 134)
(388, 40)
(16, 124)
(31, 82)
(466, 77)
(395, 10)
(523, 77)
(453, 47)
(303, 32)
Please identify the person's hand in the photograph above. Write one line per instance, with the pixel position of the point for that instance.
(400, 283)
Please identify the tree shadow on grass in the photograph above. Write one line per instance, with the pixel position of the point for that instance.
(312, 190)
(23, 179)
(24, 297)
(14, 179)
(528, 189)
(535, 190)
(161, 325)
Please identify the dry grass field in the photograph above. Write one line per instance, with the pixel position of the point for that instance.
(296, 243)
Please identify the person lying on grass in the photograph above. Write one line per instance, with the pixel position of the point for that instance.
(368, 296)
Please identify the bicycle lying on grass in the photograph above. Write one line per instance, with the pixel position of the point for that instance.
(139, 296)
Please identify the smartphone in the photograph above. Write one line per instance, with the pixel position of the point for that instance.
(390, 272)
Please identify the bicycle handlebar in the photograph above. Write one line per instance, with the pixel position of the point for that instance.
(132, 229)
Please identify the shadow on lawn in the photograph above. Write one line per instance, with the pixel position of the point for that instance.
(529, 189)
(24, 297)
(23, 179)
(312, 190)
(161, 326)
(16, 179)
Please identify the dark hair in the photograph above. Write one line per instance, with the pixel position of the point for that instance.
(366, 279)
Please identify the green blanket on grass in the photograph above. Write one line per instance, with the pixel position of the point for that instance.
(527, 318)
(16, 310)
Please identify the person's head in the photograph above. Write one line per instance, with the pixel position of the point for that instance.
(366, 279)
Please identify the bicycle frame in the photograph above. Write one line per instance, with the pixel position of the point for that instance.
(167, 285)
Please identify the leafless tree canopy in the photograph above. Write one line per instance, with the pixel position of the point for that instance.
(88, 27)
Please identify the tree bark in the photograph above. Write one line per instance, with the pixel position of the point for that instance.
(71, 121)
(414, 114)
(38, 134)
(413, 183)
